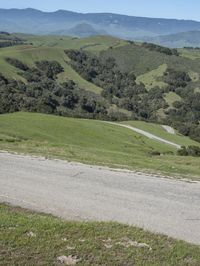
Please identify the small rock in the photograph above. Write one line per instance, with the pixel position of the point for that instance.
(109, 240)
(70, 260)
(64, 239)
(82, 240)
(108, 246)
(31, 234)
(70, 248)
(108, 243)
(129, 243)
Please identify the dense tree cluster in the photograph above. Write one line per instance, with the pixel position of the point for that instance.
(43, 94)
(185, 114)
(9, 43)
(17, 63)
(119, 88)
(7, 40)
(160, 49)
(176, 78)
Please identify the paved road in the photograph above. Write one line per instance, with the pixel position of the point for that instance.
(147, 134)
(76, 191)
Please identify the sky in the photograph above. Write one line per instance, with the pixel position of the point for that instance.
(180, 9)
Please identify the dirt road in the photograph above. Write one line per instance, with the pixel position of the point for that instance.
(77, 191)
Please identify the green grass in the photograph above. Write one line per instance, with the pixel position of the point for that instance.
(148, 66)
(197, 90)
(141, 60)
(172, 97)
(93, 43)
(52, 48)
(92, 142)
(151, 79)
(194, 76)
(159, 131)
(191, 54)
(29, 55)
(94, 243)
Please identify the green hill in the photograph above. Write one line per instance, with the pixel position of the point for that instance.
(114, 80)
(94, 142)
(52, 48)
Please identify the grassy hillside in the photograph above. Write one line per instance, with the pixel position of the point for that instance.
(92, 142)
(28, 237)
(159, 131)
(52, 48)
(151, 78)
(148, 66)
(29, 55)
(139, 59)
(163, 97)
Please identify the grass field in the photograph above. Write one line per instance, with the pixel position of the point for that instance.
(28, 238)
(172, 97)
(92, 142)
(159, 131)
(191, 54)
(151, 79)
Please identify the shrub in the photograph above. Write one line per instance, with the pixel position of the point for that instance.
(189, 151)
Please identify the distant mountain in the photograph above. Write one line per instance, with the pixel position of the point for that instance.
(128, 27)
(179, 40)
(81, 30)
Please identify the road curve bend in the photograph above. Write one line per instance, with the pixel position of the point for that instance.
(147, 134)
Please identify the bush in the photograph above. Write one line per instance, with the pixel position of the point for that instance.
(16, 63)
(189, 151)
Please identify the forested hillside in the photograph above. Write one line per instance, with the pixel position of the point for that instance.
(102, 78)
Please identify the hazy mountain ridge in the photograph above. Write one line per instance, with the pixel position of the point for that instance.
(81, 30)
(128, 27)
(178, 40)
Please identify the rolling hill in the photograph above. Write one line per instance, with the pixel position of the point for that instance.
(94, 142)
(113, 80)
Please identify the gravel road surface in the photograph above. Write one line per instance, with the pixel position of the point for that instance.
(82, 192)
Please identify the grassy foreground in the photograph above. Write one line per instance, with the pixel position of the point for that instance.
(92, 142)
(28, 238)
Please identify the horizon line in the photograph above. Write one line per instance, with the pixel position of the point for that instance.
(112, 13)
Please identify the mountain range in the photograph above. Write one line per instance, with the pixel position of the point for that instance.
(169, 32)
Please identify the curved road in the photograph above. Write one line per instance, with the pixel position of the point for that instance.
(147, 134)
(77, 191)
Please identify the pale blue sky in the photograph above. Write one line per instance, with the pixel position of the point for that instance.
(181, 9)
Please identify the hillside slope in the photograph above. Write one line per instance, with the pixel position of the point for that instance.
(92, 142)
(113, 79)
(52, 48)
